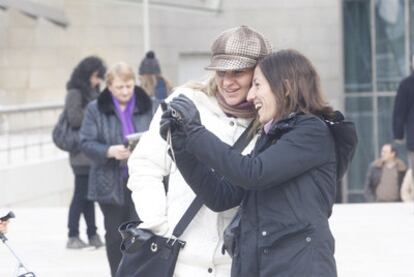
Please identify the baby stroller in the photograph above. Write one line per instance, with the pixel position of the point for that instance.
(21, 269)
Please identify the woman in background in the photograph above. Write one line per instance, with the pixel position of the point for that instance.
(156, 86)
(82, 88)
(120, 110)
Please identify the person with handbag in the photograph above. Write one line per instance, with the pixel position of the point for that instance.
(225, 112)
(286, 186)
(82, 88)
(121, 109)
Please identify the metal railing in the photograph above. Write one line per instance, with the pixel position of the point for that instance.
(25, 132)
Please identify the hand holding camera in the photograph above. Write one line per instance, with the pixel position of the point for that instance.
(180, 117)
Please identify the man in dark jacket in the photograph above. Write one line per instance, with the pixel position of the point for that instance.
(385, 177)
(403, 115)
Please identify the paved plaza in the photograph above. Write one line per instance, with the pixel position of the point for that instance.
(371, 240)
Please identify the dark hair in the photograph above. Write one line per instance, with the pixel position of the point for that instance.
(393, 148)
(80, 78)
(295, 83)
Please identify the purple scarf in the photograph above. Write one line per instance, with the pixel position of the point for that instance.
(126, 115)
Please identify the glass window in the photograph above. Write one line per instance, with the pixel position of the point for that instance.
(390, 47)
(385, 110)
(359, 110)
(357, 46)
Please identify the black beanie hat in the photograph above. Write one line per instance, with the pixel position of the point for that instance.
(149, 64)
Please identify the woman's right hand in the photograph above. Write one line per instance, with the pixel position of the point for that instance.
(119, 152)
(169, 124)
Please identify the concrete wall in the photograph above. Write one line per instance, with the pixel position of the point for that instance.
(45, 183)
(37, 57)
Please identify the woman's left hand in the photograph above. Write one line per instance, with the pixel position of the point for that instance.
(187, 114)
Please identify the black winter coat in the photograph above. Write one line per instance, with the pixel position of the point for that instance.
(286, 189)
(403, 115)
(102, 128)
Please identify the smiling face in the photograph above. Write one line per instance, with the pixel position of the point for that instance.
(121, 89)
(262, 97)
(233, 86)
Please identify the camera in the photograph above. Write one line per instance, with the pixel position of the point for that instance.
(174, 114)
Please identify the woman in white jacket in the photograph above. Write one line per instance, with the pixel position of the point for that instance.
(224, 110)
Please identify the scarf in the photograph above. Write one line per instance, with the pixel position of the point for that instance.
(243, 110)
(126, 115)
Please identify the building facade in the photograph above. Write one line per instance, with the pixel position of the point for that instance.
(359, 47)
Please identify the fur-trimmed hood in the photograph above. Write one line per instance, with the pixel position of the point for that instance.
(143, 102)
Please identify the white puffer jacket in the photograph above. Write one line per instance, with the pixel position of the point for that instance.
(150, 162)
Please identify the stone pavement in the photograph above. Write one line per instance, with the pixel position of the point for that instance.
(371, 240)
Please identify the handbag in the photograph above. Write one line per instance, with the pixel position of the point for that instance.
(64, 136)
(147, 254)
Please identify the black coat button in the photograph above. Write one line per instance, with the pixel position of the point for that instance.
(210, 270)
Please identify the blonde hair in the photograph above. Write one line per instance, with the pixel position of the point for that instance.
(121, 70)
(209, 86)
(149, 82)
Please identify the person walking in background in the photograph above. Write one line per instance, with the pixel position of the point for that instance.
(224, 110)
(384, 177)
(82, 88)
(121, 109)
(151, 79)
(403, 115)
(285, 187)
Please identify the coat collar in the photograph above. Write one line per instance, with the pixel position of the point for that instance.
(142, 102)
(284, 125)
(400, 165)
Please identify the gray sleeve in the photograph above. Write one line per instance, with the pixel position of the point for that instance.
(89, 134)
(74, 108)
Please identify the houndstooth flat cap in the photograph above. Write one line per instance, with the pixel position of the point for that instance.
(238, 48)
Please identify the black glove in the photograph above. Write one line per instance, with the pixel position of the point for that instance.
(185, 113)
(169, 123)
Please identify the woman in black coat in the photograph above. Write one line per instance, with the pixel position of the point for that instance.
(120, 110)
(82, 88)
(285, 188)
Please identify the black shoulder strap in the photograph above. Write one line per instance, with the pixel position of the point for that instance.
(197, 203)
